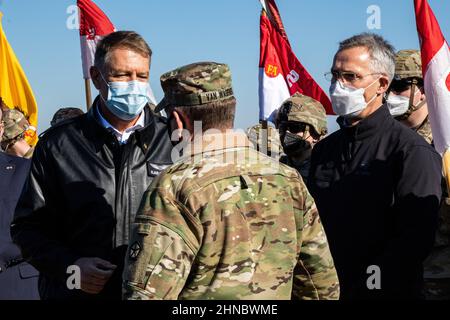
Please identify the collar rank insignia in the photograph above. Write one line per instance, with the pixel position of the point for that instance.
(135, 250)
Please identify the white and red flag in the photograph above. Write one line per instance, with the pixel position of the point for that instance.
(94, 25)
(280, 72)
(436, 74)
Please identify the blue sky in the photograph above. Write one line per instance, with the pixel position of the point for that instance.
(181, 32)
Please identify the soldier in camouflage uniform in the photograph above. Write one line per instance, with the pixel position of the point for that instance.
(13, 141)
(302, 122)
(64, 114)
(407, 100)
(225, 221)
(409, 106)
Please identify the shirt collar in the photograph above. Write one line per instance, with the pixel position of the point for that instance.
(121, 137)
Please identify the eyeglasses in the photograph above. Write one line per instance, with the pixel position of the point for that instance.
(347, 76)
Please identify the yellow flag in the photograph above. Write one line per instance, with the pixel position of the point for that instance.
(15, 91)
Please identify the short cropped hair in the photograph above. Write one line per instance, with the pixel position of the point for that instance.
(213, 115)
(120, 39)
(382, 53)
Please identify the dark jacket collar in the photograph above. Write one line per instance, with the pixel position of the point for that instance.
(376, 122)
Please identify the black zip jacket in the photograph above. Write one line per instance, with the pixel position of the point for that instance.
(377, 186)
(82, 194)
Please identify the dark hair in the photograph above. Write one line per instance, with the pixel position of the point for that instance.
(120, 39)
(214, 115)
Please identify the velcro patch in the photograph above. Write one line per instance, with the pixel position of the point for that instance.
(135, 250)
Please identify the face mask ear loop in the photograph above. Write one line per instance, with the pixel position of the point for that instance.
(412, 107)
(106, 82)
(375, 95)
(420, 104)
(103, 78)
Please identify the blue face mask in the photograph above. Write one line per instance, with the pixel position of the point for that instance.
(126, 100)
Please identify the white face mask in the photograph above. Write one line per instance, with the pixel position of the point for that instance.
(397, 104)
(349, 101)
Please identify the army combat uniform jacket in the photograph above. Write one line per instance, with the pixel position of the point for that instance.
(229, 223)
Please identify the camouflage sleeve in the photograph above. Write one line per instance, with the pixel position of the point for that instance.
(315, 276)
(161, 250)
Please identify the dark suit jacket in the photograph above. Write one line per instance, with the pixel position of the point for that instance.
(18, 280)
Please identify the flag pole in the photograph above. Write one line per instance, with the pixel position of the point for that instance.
(446, 167)
(87, 87)
(93, 26)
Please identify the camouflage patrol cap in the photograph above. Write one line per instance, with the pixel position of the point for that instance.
(64, 114)
(196, 84)
(301, 108)
(15, 124)
(408, 64)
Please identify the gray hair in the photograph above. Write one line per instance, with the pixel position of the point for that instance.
(120, 39)
(382, 53)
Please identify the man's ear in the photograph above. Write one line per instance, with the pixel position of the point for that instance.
(384, 85)
(178, 121)
(95, 76)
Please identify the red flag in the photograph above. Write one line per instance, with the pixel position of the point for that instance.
(94, 25)
(436, 73)
(281, 73)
